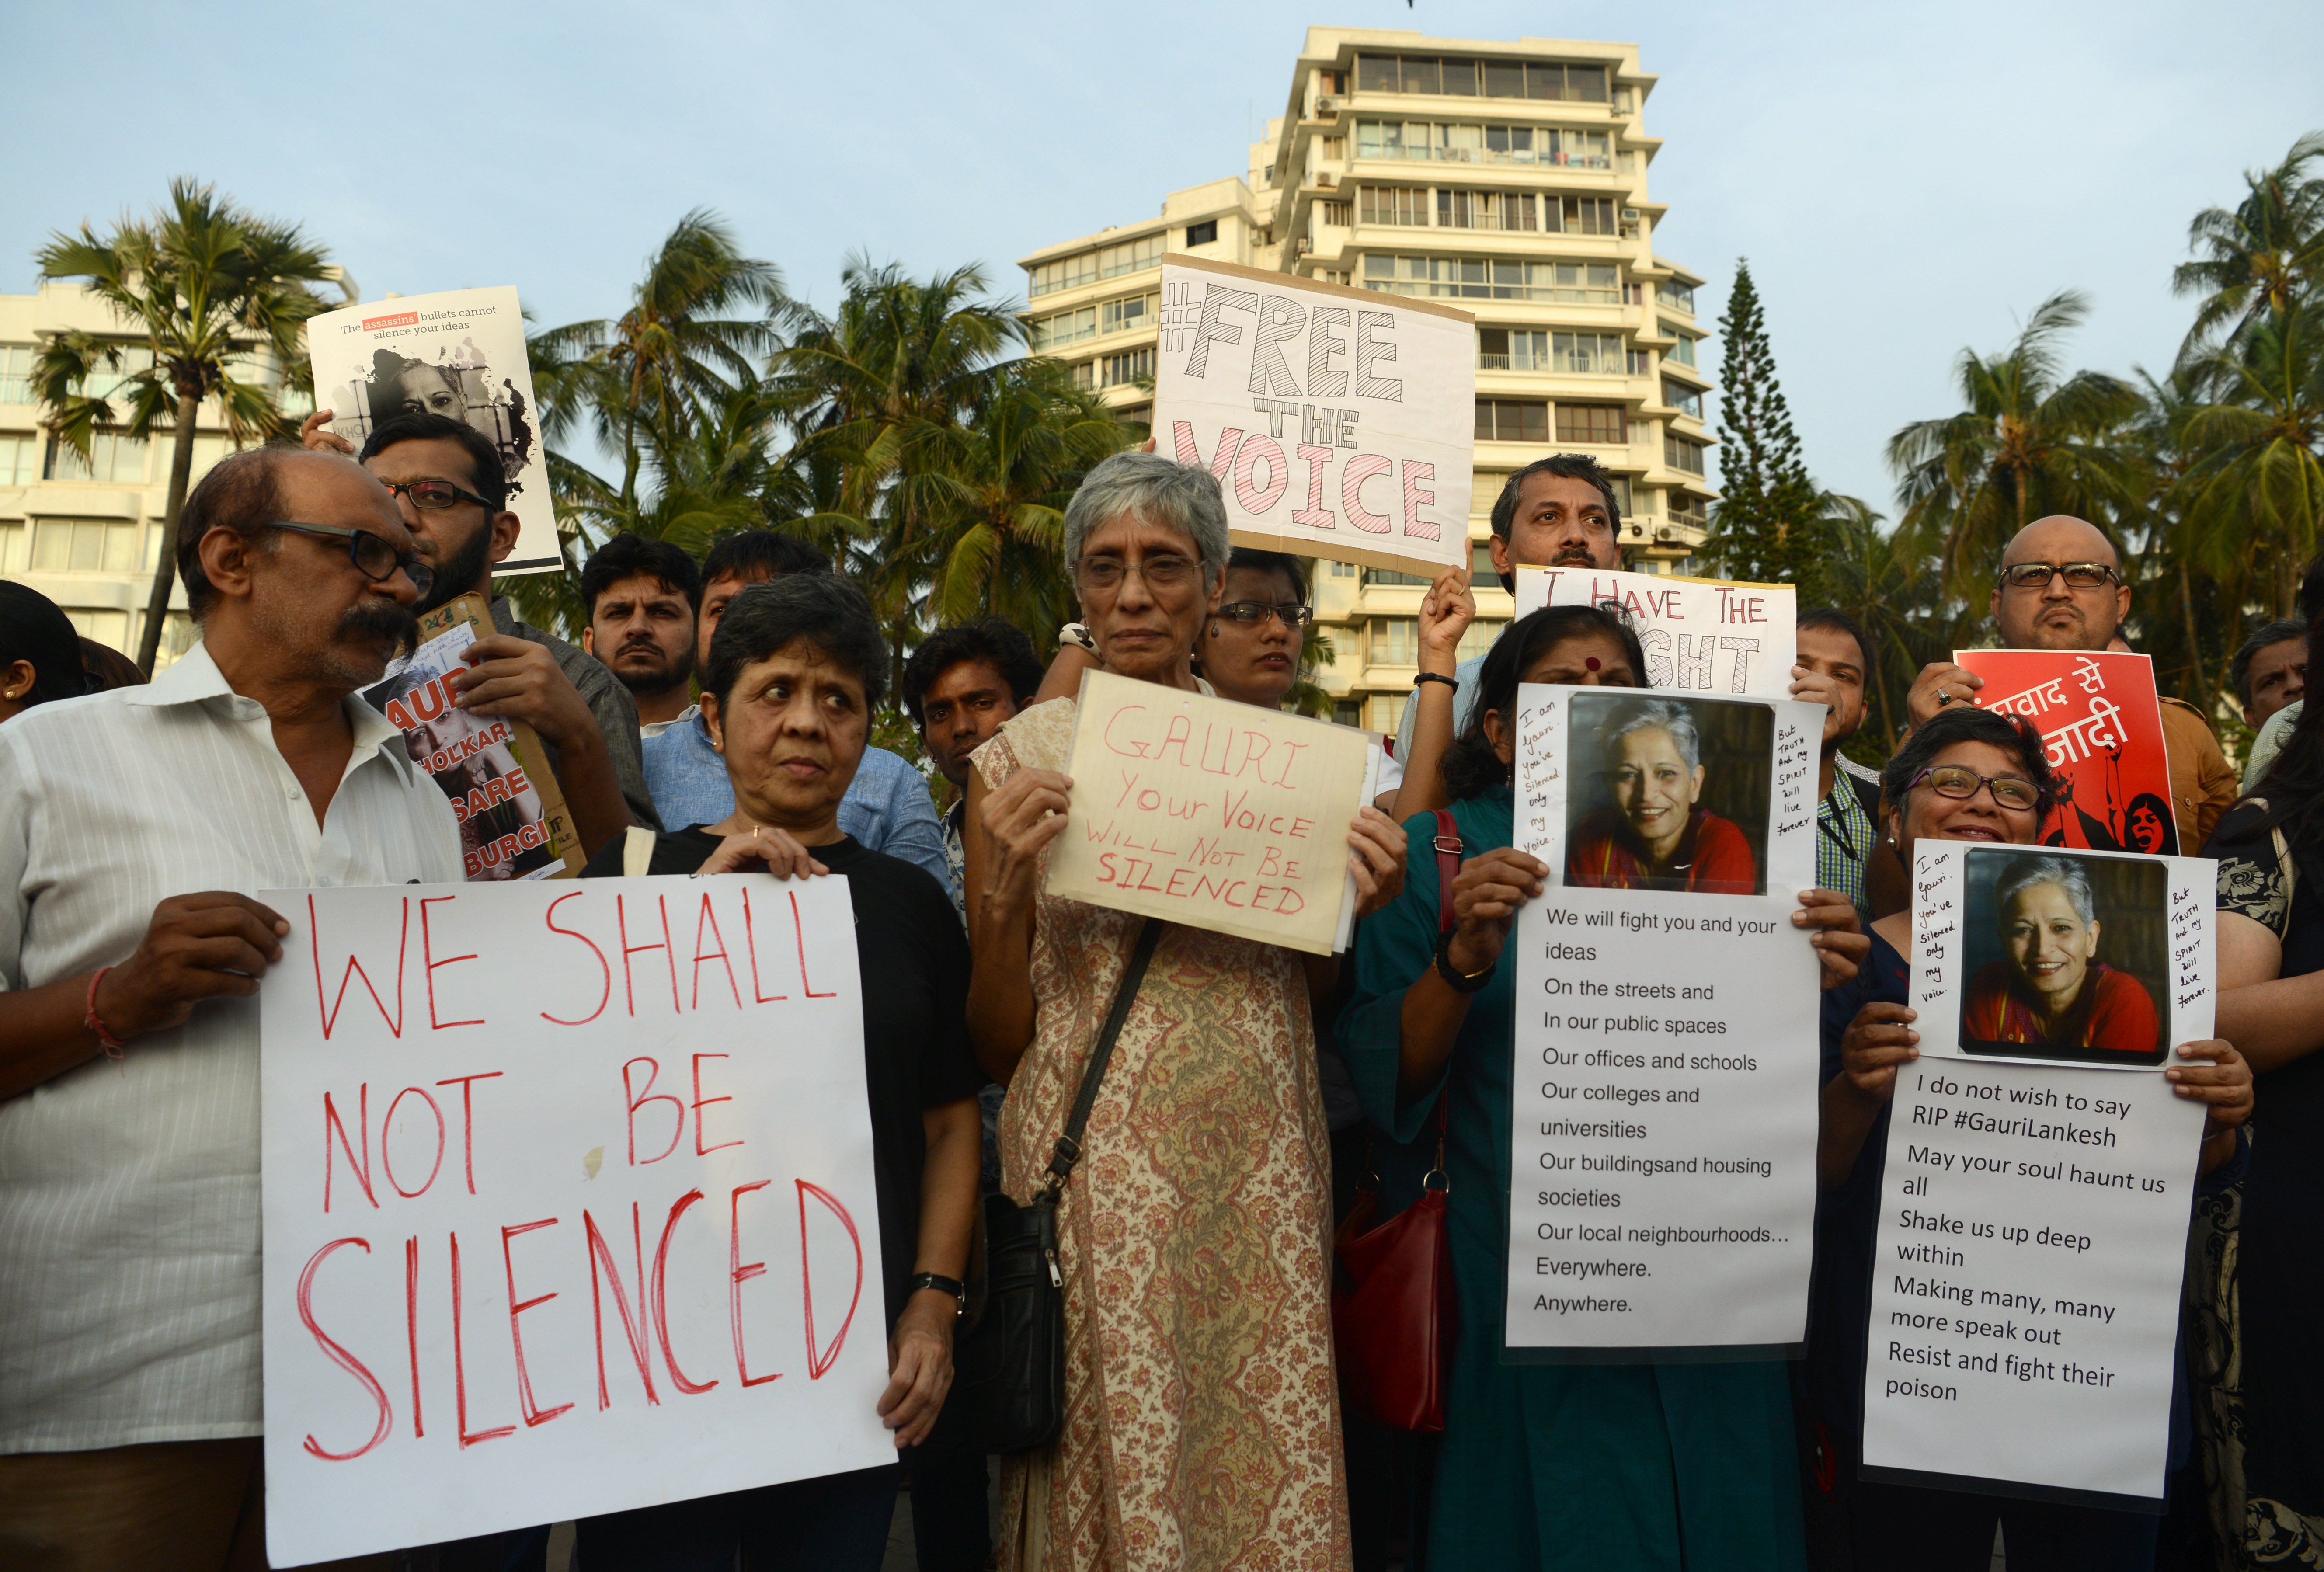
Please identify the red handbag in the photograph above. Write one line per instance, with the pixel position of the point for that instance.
(1392, 1301)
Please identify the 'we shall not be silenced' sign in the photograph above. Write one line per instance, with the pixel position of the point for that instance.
(569, 1204)
(1339, 422)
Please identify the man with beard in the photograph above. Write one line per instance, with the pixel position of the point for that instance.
(643, 597)
(961, 685)
(453, 495)
(129, 822)
(2060, 587)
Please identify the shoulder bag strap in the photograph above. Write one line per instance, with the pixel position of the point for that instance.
(1068, 1150)
(1448, 868)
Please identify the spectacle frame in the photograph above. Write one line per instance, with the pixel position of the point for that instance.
(1960, 783)
(1160, 573)
(433, 495)
(2079, 576)
(375, 558)
(1248, 612)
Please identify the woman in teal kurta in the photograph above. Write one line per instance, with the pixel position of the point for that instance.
(1564, 1467)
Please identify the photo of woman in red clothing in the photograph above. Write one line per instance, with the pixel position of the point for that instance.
(1655, 826)
(2048, 994)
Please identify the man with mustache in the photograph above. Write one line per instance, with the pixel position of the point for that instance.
(2060, 587)
(452, 493)
(643, 597)
(133, 822)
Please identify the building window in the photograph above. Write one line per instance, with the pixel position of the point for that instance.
(113, 459)
(1678, 297)
(1684, 352)
(1642, 363)
(1050, 277)
(11, 548)
(1682, 455)
(1686, 400)
(1463, 143)
(1127, 316)
(1591, 423)
(1509, 211)
(1477, 638)
(1481, 573)
(15, 374)
(87, 545)
(1118, 368)
(1391, 580)
(1480, 78)
(1396, 640)
(1512, 420)
(1392, 204)
(1202, 233)
(1066, 328)
(1348, 713)
(20, 460)
(1331, 215)
(1587, 214)
(1482, 278)
(1586, 354)
(1509, 349)
(1085, 375)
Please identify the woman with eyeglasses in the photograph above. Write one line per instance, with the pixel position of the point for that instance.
(1200, 1429)
(1657, 835)
(2050, 986)
(1978, 775)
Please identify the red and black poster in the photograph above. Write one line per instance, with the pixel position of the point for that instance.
(2102, 727)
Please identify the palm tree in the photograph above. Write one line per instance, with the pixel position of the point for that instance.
(204, 284)
(2257, 258)
(679, 345)
(2028, 437)
(1889, 584)
(2257, 477)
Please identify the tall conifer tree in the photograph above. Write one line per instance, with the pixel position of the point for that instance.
(1767, 527)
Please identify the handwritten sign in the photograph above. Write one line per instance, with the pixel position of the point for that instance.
(1663, 1161)
(2033, 1226)
(568, 1204)
(462, 354)
(1214, 813)
(1704, 635)
(2103, 730)
(513, 823)
(1339, 421)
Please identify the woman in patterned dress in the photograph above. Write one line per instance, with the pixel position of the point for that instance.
(1201, 1428)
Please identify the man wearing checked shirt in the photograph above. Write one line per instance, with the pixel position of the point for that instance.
(1833, 660)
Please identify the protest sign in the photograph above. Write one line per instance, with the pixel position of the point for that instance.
(1699, 635)
(1663, 1133)
(513, 823)
(1217, 815)
(1341, 422)
(568, 1204)
(460, 353)
(2103, 730)
(2034, 1215)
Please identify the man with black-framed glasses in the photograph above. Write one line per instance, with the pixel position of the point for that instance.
(2060, 587)
(452, 493)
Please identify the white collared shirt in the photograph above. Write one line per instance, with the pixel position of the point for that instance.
(129, 1196)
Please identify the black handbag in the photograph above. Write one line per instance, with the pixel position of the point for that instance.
(1012, 1363)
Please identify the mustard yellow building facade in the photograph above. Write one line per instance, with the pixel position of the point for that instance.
(1507, 177)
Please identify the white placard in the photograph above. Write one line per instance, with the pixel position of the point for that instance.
(1700, 635)
(2034, 1212)
(460, 353)
(1341, 422)
(1663, 1133)
(569, 1204)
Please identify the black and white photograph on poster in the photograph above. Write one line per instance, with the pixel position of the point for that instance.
(1662, 1156)
(461, 354)
(1668, 794)
(2067, 958)
(2032, 1240)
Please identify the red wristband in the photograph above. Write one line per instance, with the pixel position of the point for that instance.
(112, 1044)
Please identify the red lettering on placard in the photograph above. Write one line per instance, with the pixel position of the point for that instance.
(820, 1360)
(678, 1378)
(468, 1120)
(1416, 495)
(1362, 467)
(603, 999)
(637, 1099)
(737, 1276)
(388, 1163)
(341, 1357)
(708, 919)
(460, 1368)
(534, 1412)
(1315, 515)
(1251, 497)
(355, 969)
(798, 931)
(412, 1325)
(620, 918)
(331, 1122)
(751, 938)
(1181, 437)
(700, 1102)
(601, 1256)
(429, 965)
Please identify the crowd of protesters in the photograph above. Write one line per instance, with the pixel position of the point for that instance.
(716, 720)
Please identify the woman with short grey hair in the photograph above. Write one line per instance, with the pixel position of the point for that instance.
(1656, 834)
(1191, 1234)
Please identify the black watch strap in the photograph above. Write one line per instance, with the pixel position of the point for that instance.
(951, 1285)
(1436, 676)
(1455, 979)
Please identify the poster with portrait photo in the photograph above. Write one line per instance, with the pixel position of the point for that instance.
(1668, 793)
(459, 353)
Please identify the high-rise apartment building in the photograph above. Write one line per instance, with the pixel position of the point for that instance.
(1509, 179)
(88, 534)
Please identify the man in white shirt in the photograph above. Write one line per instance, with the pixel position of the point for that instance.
(134, 825)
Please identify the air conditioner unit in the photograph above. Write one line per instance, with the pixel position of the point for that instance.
(1326, 104)
(1629, 215)
(1329, 182)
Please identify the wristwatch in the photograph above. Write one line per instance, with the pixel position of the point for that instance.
(1077, 634)
(1461, 981)
(1436, 676)
(951, 1285)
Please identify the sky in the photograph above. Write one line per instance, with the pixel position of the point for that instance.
(1906, 181)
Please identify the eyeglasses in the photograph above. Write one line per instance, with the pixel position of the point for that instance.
(373, 557)
(1961, 783)
(2079, 576)
(1246, 612)
(435, 494)
(1160, 573)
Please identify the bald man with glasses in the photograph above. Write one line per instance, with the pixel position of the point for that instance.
(2060, 587)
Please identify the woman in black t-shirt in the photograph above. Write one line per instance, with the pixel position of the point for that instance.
(794, 671)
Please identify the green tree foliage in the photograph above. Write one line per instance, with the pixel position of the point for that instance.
(1769, 524)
